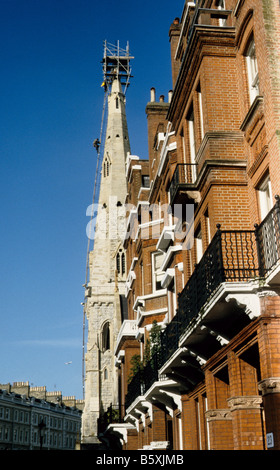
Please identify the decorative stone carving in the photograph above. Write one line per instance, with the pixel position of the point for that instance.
(216, 415)
(268, 293)
(249, 301)
(157, 445)
(245, 402)
(270, 385)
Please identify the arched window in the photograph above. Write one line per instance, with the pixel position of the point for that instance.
(106, 167)
(123, 263)
(106, 337)
(120, 262)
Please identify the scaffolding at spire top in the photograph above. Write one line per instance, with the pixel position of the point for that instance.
(116, 64)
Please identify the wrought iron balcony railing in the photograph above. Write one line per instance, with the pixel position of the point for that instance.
(184, 177)
(268, 239)
(230, 257)
(135, 388)
(144, 379)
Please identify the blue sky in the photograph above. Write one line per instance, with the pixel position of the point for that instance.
(51, 106)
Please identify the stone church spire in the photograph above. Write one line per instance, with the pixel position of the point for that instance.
(105, 289)
(113, 189)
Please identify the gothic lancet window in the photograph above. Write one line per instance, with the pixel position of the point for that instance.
(120, 262)
(106, 167)
(123, 263)
(106, 337)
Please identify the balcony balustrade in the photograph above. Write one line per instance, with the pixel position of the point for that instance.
(209, 18)
(144, 379)
(183, 178)
(135, 388)
(268, 238)
(232, 256)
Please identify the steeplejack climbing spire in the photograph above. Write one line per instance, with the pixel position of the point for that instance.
(104, 306)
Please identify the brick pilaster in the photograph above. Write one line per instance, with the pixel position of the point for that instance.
(269, 350)
(218, 416)
(245, 404)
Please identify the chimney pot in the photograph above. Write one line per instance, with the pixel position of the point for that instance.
(153, 94)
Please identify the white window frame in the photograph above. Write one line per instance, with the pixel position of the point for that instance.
(265, 197)
(172, 300)
(192, 146)
(200, 112)
(198, 246)
(208, 228)
(252, 70)
(157, 274)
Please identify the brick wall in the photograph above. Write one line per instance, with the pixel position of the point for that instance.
(236, 145)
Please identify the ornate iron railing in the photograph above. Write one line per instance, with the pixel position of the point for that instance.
(184, 174)
(150, 372)
(143, 380)
(135, 388)
(268, 239)
(231, 256)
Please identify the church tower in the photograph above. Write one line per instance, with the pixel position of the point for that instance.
(104, 305)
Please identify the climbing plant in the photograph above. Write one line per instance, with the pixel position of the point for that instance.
(151, 351)
(136, 366)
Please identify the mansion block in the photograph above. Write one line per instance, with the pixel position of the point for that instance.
(197, 348)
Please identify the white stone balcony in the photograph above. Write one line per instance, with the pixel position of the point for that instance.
(166, 237)
(127, 330)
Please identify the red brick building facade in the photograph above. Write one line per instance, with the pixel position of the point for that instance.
(203, 241)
